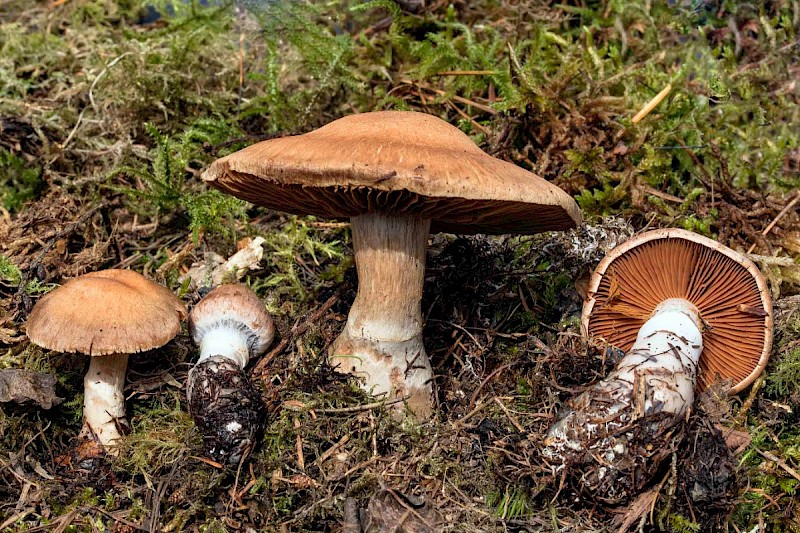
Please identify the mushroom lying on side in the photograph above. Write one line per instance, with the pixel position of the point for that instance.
(397, 176)
(231, 325)
(108, 315)
(688, 312)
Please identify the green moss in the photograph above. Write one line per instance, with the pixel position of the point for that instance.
(19, 181)
(510, 503)
(299, 257)
(784, 378)
(321, 59)
(681, 524)
(27, 56)
(161, 437)
(9, 271)
(214, 526)
(167, 189)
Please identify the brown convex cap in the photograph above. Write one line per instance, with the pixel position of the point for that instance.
(725, 286)
(238, 307)
(395, 162)
(105, 312)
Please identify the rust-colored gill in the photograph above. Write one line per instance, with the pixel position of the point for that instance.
(724, 292)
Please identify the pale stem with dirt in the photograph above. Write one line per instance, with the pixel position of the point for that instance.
(382, 340)
(104, 400)
(657, 375)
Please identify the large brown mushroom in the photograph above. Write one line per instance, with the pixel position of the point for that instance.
(396, 176)
(108, 315)
(688, 312)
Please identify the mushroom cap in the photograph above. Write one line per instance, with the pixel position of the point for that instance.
(235, 306)
(106, 312)
(398, 163)
(726, 287)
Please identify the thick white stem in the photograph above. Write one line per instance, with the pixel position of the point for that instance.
(657, 375)
(382, 340)
(104, 400)
(226, 341)
(663, 361)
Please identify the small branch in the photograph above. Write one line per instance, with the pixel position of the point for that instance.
(780, 215)
(333, 449)
(474, 398)
(46, 248)
(455, 98)
(301, 459)
(780, 462)
(297, 330)
(509, 415)
(364, 407)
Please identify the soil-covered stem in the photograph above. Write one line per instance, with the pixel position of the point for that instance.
(382, 340)
(103, 401)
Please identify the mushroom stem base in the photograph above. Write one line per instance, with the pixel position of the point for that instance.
(394, 370)
(103, 401)
(226, 408)
(613, 433)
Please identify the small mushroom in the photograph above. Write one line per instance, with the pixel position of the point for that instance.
(231, 325)
(688, 312)
(397, 176)
(108, 315)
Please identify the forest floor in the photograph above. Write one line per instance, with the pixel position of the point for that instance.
(109, 112)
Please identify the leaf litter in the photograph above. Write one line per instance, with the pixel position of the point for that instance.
(107, 122)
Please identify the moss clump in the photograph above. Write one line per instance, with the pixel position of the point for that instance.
(783, 379)
(161, 437)
(303, 256)
(18, 181)
(9, 272)
(164, 188)
(106, 113)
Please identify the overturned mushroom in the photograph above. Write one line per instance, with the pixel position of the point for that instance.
(231, 325)
(687, 311)
(108, 315)
(396, 176)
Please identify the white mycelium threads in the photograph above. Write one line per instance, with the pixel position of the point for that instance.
(227, 339)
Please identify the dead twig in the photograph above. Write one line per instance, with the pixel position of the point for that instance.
(741, 416)
(14, 518)
(775, 220)
(301, 459)
(486, 380)
(455, 98)
(780, 462)
(508, 414)
(649, 106)
(49, 245)
(299, 328)
(332, 450)
(409, 511)
(363, 407)
(207, 461)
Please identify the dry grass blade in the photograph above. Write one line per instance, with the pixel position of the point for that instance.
(649, 106)
(780, 462)
(777, 218)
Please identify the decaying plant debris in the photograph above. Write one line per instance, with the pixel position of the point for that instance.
(109, 113)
